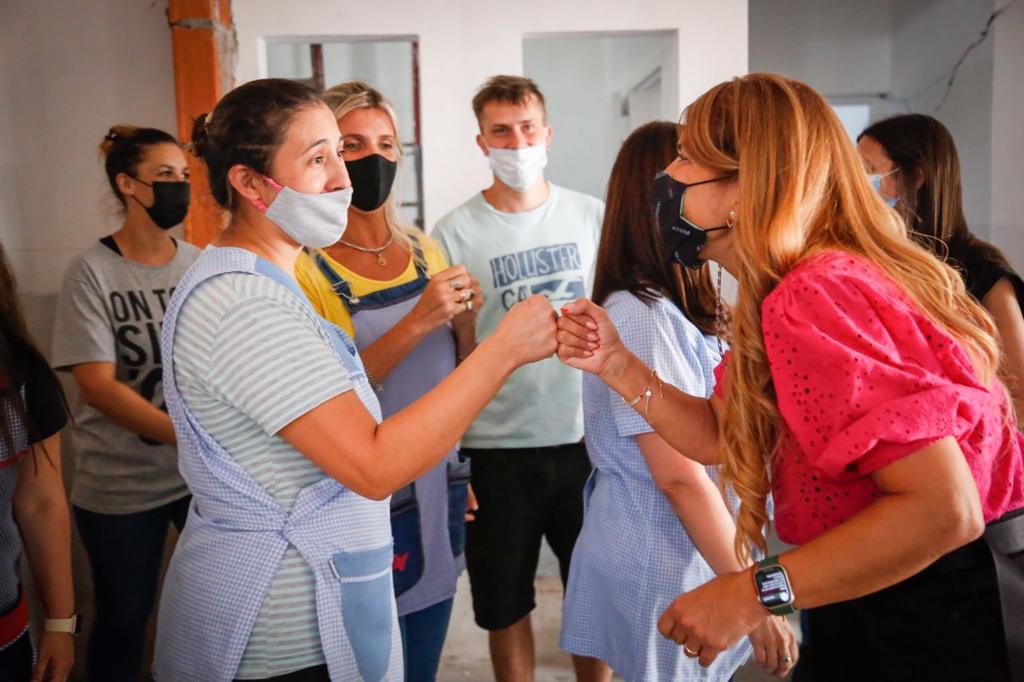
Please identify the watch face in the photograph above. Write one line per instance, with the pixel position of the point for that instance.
(773, 586)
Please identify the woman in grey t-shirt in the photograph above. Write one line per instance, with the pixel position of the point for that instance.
(126, 488)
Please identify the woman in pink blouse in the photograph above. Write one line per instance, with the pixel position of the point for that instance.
(860, 392)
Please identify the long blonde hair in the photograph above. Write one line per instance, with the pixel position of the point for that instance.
(345, 98)
(802, 189)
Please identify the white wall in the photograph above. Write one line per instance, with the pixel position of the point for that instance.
(840, 48)
(583, 80)
(1007, 134)
(851, 51)
(68, 71)
(463, 42)
(928, 37)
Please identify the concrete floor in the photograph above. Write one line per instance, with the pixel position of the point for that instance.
(466, 657)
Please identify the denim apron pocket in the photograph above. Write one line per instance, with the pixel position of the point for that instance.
(366, 604)
(409, 561)
(458, 501)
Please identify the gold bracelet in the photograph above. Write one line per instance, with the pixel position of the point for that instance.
(645, 393)
(650, 394)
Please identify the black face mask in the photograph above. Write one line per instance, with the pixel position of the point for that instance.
(372, 177)
(170, 202)
(683, 240)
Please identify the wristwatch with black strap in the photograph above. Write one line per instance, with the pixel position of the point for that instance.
(771, 583)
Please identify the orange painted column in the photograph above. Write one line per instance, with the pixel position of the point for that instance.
(203, 40)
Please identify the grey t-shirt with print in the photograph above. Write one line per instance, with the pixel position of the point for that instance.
(110, 310)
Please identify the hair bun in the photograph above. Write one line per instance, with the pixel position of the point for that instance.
(114, 134)
(200, 134)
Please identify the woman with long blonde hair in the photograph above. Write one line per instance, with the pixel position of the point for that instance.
(860, 391)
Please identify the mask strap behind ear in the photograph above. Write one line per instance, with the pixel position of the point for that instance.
(261, 205)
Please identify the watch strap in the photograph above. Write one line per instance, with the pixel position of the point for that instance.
(70, 625)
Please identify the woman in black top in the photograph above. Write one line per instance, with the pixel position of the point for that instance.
(33, 507)
(915, 164)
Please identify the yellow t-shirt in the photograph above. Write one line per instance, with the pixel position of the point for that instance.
(329, 305)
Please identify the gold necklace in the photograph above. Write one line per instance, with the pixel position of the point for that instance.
(377, 251)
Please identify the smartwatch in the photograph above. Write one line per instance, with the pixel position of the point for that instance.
(72, 625)
(771, 582)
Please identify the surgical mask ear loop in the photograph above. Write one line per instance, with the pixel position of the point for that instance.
(261, 205)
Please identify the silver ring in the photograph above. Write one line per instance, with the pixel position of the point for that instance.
(690, 652)
(469, 305)
(472, 293)
(455, 283)
(787, 659)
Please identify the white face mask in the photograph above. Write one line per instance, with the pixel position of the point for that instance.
(518, 168)
(313, 220)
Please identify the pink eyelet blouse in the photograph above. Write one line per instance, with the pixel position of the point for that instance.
(862, 379)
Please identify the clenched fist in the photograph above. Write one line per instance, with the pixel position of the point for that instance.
(527, 332)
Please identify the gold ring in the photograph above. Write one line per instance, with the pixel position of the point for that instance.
(690, 652)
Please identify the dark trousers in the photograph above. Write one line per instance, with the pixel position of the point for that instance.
(16, 660)
(525, 496)
(125, 553)
(941, 625)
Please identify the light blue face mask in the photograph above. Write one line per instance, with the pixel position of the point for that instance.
(876, 182)
(313, 220)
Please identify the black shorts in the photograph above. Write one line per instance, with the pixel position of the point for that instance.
(525, 494)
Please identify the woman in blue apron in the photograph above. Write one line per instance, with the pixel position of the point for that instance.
(391, 289)
(284, 569)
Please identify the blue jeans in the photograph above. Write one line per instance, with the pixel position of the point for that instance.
(125, 553)
(424, 631)
(423, 634)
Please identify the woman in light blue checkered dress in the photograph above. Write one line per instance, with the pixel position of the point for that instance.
(655, 524)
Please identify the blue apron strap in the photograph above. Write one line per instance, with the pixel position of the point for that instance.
(337, 282)
(419, 259)
(268, 269)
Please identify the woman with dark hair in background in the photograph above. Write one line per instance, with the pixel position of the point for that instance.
(656, 523)
(914, 164)
(33, 507)
(284, 569)
(127, 489)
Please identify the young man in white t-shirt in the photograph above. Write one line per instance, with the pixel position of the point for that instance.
(522, 236)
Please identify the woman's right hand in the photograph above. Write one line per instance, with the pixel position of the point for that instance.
(447, 294)
(527, 332)
(587, 339)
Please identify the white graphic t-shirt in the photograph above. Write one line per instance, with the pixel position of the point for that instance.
(550, 250)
